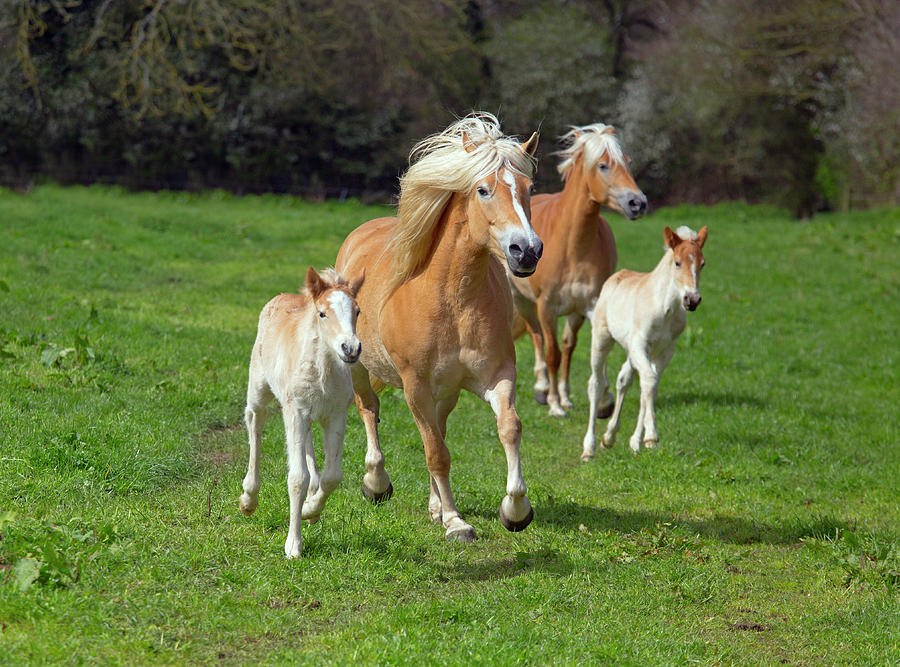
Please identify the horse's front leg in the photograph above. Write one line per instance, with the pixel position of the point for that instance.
(646, 422)
(569, 341)
(547, 318)
(298, 432)
(657, 366)
(623, 382)
(333, 445)
(515, 509)
(422, 405)
(444, 407)
(598, 387)
(376, 485)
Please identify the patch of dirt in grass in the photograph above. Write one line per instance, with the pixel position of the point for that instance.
(755, 627)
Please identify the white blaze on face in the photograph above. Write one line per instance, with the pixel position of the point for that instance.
(341, 306)
(510, 180)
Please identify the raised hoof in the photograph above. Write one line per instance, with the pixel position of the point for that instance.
(312, 519)
(650, 444)
(607, 443)
(540, 396)
(247, 504)
(376, 498)
(605, 412)
(466, 535)
(587, 457)
(516, 526)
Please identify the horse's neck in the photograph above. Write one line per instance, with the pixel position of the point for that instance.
(665, 294)
(581, 213)
(459, 263)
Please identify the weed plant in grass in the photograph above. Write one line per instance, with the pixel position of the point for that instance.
(763, 529)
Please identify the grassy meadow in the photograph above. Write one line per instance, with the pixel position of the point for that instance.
(764, 529)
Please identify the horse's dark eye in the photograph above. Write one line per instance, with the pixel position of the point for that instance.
(677, 264)
(322, 314)
(482, 191)
(602, 166)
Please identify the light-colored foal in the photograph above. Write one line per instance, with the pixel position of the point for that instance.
(645, 313)
(304, 347)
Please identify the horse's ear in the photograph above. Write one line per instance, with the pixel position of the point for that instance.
(672, 239)
(314, 283)
(356, 284)
(467, 143)
(701, 236)
(531, 145)
(609, 130)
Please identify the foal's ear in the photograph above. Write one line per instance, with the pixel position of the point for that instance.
(672, 239)
(701, 236)
(314, 283)
(531, 145)
(356, 284)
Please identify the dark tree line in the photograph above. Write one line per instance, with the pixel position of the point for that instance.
(794, 103)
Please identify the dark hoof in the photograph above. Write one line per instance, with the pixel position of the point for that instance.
(376, 498)
(516, 526)
(605, 413)
(540, 397)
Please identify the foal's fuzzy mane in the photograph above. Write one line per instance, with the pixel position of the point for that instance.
(591, 140)
(332, 277)
(440, 166)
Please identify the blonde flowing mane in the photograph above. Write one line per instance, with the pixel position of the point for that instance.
(440, 165)
(593, 140)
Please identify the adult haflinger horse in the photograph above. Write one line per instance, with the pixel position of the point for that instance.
(436, 308)
(580, 252)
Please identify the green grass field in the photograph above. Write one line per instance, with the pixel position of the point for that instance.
(764, 529)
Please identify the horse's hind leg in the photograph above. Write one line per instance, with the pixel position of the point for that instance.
(598, 386)
(515, 509)
(376, 485)
(437, 456)
(333, 430)
(258, 397)
(569, 340)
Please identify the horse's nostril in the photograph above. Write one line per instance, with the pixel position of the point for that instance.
(515, 251)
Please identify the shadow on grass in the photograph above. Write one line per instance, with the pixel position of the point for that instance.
(721, 527)
(724, 399)
(545, 560)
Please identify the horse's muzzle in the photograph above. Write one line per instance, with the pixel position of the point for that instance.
(350, 352)
(522, 259)
(634, 205)
(691, 301)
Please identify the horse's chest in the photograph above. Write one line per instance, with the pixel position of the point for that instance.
(578, 295)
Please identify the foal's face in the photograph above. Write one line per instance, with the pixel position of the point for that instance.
(687, 263)
(611, 185)
(499, 208)
(336, 312)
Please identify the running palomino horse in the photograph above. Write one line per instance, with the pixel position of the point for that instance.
(580, 253)
(436, 308)
(304, 346)
(645, 314)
